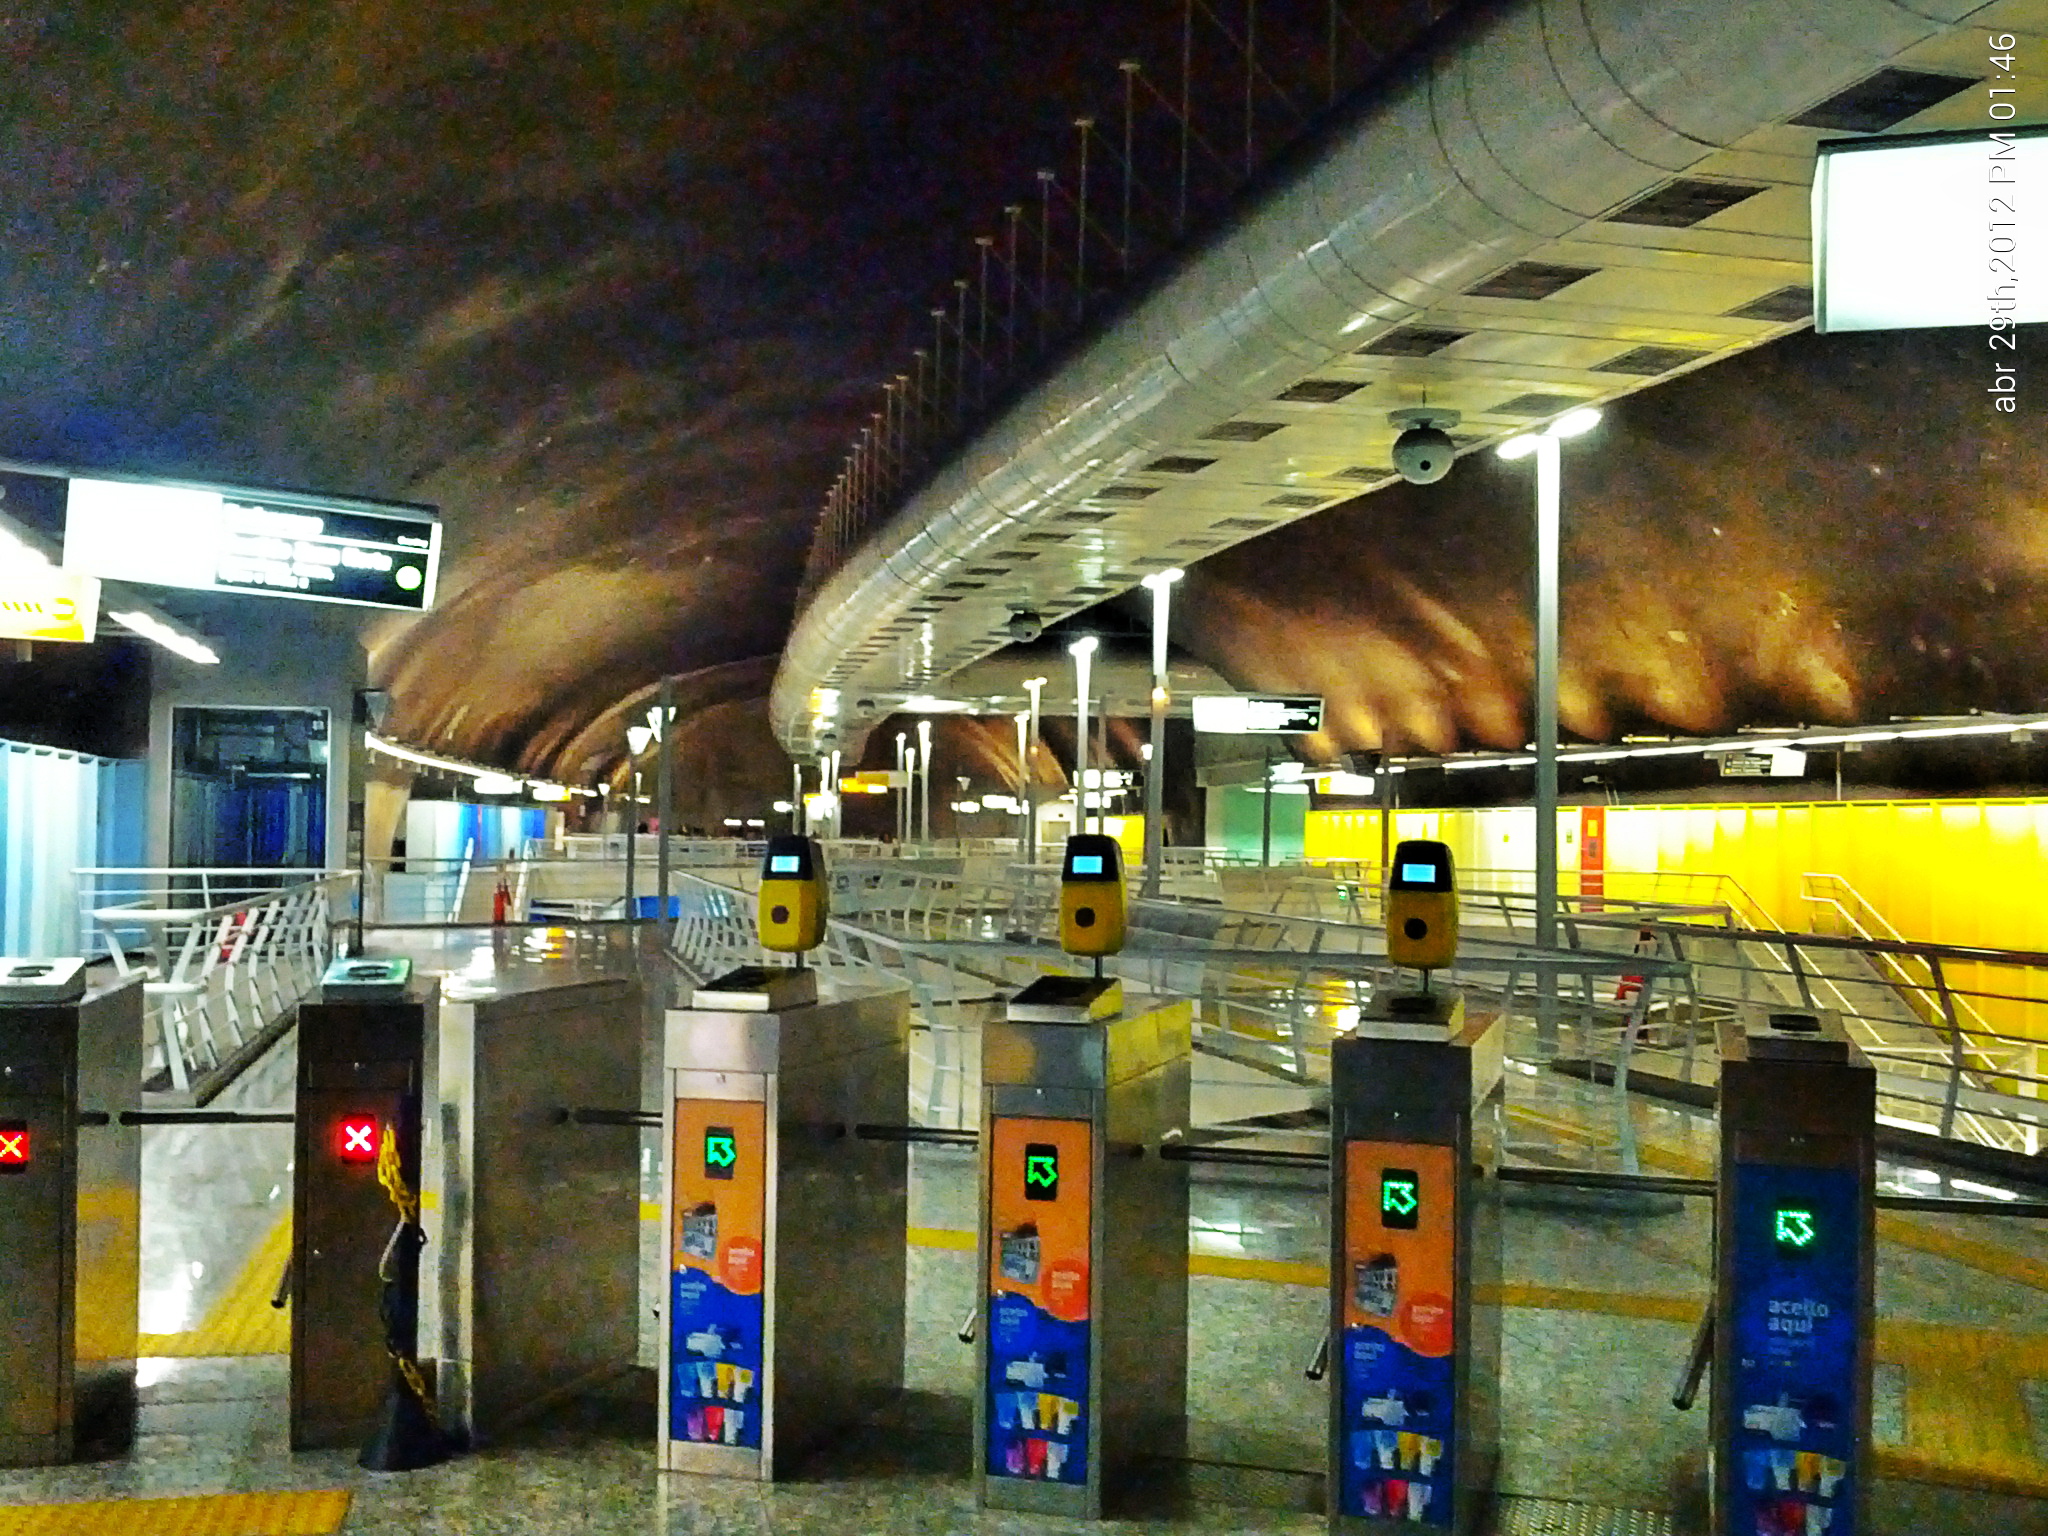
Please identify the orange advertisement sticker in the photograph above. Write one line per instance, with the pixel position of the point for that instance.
(720, 1183)
(1400, 1215)
(1040, 1173)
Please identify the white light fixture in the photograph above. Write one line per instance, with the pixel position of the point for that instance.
(1085, 646)
(638, 737)
(498, 784)
(783, 807)
(548, 793)
(926, 704)
(176, 641)
(1345, 783)
(734, 821)
(755, 821)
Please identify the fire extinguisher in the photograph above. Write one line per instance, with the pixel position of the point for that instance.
(501, 901)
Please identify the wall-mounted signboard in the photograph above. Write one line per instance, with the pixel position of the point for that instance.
(40, 602)
(1233, 714)
(263, 543)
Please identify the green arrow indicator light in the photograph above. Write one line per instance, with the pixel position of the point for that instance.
(721, 1152)
(1041, 1171)
(1794, 1229)
(1400, 1198)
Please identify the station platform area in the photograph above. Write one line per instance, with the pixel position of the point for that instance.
(1600, 1293)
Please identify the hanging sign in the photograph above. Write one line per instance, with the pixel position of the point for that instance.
(1234, 714)
(40, 602)
(263, 543)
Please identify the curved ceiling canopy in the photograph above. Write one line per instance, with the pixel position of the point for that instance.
(1571, 202)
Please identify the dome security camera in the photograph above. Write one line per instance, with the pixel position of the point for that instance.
(1423, 453)
(1024, 625)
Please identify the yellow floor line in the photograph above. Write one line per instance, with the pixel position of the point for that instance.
(942, 1237)
(242, 1321)
(218, 1514)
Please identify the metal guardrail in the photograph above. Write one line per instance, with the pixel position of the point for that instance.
(1650, 983)
(1269, 992)
(221, 982)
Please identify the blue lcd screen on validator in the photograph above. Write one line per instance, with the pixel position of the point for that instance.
(1418, 871)
(1087, 863)
(783, 864)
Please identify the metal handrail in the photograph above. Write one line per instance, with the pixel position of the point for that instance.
(221, 982)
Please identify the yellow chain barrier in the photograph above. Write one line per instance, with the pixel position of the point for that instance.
(407, 1203)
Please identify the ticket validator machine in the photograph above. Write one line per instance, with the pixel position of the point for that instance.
(1415, 1112)
(786, 1226)
(363, 1070)
(1795, 1233)
(1082, 1337)
(70, 1178)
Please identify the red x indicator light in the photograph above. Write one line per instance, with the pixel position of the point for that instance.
(14, 1146)
(357, 1139)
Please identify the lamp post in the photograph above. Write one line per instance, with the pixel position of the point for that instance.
(1083, 652)
(902, 790)
(924, 757)
(637, 738)
(1161, 583)
(1544, 447)
(1035, 686)
(662, 717)
(1023, 723)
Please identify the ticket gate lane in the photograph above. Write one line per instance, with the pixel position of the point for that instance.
(1794, 1284)
(70, 1173)
(1415, 1225)
(533, 1239)
(784, 1227)
(1082, 1347)
(362, 1077)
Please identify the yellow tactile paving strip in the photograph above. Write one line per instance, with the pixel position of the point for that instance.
(242, 1321)
(215, 1514)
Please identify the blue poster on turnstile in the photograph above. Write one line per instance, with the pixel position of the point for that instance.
(1797, 1358)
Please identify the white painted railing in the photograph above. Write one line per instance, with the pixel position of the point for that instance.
(221, 981)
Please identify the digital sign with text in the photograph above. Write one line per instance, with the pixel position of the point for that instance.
(262, 544)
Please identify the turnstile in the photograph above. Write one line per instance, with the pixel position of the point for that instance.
(1795, 1234)
(1415, 1112)
(532, 1223)
(1082, 1338)
(786, 1227)
(363, 1068)
(70, 1178)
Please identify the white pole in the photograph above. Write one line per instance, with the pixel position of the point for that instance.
(1036, 687)
(1549, 478)
(1023, 719)
(902, 790)
(1161, 584)
(924, 756)
(1083, 652)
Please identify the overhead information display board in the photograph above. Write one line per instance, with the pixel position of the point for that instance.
(1233, 714)
(1931, 230)
(218, 539)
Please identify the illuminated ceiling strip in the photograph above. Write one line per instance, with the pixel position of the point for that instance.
(545, 789)
(1933, 730)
